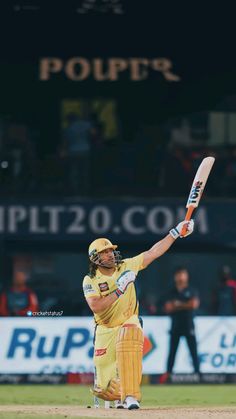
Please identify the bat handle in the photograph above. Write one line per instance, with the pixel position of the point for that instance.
(187, 218)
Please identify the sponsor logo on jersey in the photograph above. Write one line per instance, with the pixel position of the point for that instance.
(100, 352)
(88, 289)
(103, 286)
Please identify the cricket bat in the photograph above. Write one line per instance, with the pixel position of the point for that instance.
(197, 188)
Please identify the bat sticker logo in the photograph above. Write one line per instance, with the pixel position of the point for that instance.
(195, 192)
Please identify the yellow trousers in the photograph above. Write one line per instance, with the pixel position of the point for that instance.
(105, 352)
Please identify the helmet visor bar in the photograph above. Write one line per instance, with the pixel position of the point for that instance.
(96, 258)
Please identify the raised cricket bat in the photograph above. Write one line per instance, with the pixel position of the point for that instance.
(197, 188)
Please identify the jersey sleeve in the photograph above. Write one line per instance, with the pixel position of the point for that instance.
(135, 264)
(89, 288)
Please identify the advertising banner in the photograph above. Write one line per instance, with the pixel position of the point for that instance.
(122, 220)
(61, 345)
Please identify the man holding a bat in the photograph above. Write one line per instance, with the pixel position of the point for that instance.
(110, 293)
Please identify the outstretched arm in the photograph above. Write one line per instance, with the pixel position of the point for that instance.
(163, 245)
(157, 250)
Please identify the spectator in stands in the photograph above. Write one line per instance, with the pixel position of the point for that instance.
(76, 147)
(97, 134)
(180, 304)
(19, 298)
(224, 297)
(20, 156)
(227, 274)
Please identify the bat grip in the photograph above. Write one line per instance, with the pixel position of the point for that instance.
(187, 218)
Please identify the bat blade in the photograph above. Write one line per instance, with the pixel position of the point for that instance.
(197, 188)
(199, 182)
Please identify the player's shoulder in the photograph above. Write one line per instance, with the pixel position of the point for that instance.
(135, 262)
(126, 264)
(87, 279)
(89, 287)
(133, 258)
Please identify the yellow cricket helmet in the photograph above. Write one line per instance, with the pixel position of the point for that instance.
(99, 245)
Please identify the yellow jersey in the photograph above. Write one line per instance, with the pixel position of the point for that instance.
(101, 285)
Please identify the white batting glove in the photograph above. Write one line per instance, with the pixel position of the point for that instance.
(176, 232)
(124, 280)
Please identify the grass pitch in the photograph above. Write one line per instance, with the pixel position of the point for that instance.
(71, 401)
(173, 395)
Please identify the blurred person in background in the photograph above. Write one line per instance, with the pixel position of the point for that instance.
(76, 148)
(19, 157)
(227, 275)
(224, 297)
(180, 304)
(19, 299)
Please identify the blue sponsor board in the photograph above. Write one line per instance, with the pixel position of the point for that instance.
(65, 345)
(122, 220)
(24, 337)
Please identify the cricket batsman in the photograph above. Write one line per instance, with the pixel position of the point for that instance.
(110, 293)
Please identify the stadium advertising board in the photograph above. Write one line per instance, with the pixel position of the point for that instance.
(59, 345)
(81, 68)
(123, 221)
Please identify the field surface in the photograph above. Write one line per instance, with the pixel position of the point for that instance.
(161, 402)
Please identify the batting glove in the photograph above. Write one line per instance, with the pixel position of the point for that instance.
(124, 280)
(176, 232)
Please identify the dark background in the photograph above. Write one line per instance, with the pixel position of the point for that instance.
(198, 39)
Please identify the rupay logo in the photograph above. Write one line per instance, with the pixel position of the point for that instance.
(28, 342)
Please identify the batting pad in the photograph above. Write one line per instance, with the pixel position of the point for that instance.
(112, 392)
(129, 353)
